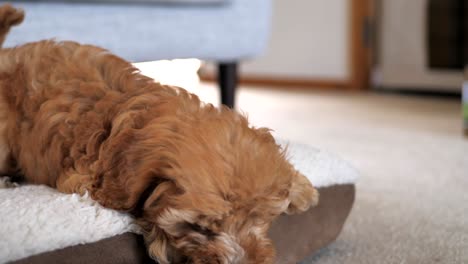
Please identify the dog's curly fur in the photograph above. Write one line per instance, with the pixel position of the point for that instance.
(202, 183)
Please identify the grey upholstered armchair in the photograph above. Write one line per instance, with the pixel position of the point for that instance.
(223, 31)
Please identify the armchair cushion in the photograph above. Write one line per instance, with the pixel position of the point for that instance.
(219, 32)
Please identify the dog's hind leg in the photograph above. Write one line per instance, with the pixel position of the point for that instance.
(6, 162)
(9, 173)
(9, 16)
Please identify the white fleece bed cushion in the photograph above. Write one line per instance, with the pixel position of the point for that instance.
(36, 219)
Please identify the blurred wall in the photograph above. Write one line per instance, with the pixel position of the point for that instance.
(403, 49)
(309, 41)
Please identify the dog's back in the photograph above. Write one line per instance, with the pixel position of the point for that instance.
(47, 90)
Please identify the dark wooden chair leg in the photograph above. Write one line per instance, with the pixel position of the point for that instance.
(227, 80)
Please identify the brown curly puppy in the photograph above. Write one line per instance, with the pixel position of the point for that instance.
(202, 183)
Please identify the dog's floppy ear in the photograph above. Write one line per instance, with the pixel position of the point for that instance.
(157, 239)
(302, 195)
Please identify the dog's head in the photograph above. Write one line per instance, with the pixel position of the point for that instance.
(221, 186)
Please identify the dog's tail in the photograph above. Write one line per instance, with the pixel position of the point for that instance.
(9, 16)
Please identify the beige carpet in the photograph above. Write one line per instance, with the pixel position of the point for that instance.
(412, 198)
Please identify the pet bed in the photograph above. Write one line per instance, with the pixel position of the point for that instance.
(40, 225)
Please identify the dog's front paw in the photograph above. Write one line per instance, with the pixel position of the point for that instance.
(5, 182)
(302, 195)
